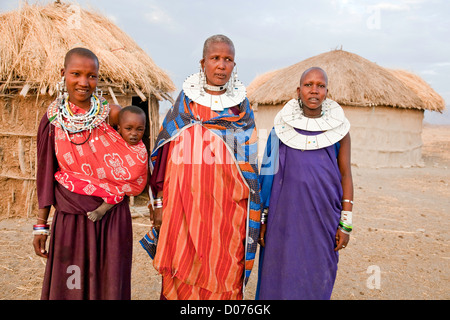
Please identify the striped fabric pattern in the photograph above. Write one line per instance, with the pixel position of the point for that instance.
(201, 243)
(239, 134)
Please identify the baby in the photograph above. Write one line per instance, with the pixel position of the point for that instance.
(131, 127)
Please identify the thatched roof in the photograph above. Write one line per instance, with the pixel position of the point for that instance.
(259, 81)
(432, 100)
(35, 39)
(352, 81)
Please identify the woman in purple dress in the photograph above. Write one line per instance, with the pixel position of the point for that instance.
(307, 195)
(86, 260)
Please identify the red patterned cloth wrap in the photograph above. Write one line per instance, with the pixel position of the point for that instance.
(104, 165)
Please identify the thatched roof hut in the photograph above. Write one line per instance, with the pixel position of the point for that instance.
(385, 107)
(36, 38)
(33, 43)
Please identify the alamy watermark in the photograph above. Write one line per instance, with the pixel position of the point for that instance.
(374, 280)
(373, 22)
(74, 20)
(74, 280)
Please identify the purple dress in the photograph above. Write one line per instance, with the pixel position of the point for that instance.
(299, 261)
(87, 260)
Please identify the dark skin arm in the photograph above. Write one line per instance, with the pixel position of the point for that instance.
(262, 233)
(344, 164)
(114, 114)
(39, 241)
(156, 214)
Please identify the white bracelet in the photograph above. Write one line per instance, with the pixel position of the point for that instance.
(346, 217)
(349, 201)
(41, 232)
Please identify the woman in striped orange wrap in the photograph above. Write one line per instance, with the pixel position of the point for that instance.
(204, 189)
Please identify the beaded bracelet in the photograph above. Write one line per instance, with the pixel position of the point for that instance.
(41, 229)
(345, 228)
(264, 215)
(158, 203)
(346, 223)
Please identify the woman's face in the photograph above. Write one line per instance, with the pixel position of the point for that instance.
(81, 74)
(218, 63)
(313, 91)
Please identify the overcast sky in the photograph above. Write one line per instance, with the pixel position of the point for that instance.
(268, 35)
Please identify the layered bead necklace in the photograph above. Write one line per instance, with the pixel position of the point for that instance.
(61, 115)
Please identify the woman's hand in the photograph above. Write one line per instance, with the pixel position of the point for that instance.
(156, 214)
(114, 110)
(262, 233)
(39, 242)
(342, 240)
(156, 217)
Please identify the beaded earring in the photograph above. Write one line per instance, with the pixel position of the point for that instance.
(61, 89)
(202, 80)
(98, 92)
(232, 82)
(300, 103)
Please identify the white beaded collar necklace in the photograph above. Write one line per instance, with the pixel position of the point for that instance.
(331, 126)
(196, 92)
(214, 88)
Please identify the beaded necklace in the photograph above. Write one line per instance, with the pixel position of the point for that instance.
(195, 90)
(329, 128)
(61, 115)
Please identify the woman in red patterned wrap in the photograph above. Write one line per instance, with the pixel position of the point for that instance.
(86, 259)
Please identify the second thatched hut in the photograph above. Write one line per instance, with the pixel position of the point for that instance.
(385, 107)
(33, 43)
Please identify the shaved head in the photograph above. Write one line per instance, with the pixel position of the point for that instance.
(82, 52)
(214, 39)
(314, 69)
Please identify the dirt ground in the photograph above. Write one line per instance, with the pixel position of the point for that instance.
(399, 248)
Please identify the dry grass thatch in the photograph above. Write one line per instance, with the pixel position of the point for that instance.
(353, 81)
(259, 81)
(432, 100)
(35, 39)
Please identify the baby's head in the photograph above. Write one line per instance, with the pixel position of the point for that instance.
(131, 124)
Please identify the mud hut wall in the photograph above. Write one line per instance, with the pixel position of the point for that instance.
(385, 136)
(264, 117)
(19, 122)
(381, 136)
(122, 100)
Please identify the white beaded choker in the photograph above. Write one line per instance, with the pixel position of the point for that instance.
(214, 88)
(331, 126)
(196, 92)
